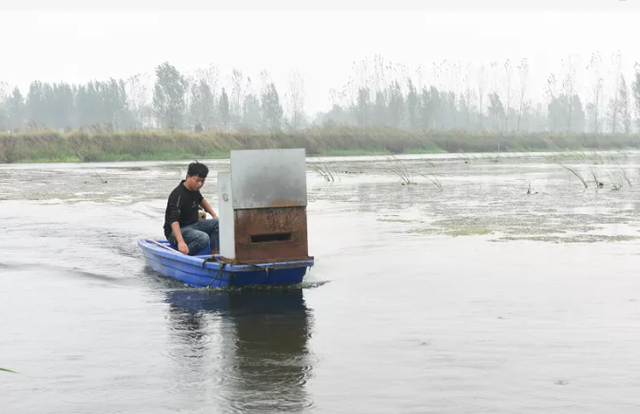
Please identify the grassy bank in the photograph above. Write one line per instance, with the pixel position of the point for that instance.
(79, 146)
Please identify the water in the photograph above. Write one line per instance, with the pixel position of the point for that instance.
(476, 298)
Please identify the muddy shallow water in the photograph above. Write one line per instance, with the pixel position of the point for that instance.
(456, 292)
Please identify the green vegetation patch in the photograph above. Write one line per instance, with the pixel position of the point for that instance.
(329, 140)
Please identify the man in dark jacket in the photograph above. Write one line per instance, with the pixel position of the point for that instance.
(181, 226)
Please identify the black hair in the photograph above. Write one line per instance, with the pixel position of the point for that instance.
(197, 169)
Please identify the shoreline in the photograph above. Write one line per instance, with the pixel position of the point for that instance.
(329, 141)
(324, 155)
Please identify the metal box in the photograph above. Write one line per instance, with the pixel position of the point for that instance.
(262, 206)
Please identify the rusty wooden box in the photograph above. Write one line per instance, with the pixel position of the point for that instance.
(262, 206)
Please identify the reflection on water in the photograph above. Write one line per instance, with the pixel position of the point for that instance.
(253, 342)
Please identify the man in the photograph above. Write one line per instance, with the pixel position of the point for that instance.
(181, 225)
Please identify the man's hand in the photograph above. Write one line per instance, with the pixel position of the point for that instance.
(183, 248)
(207, 208)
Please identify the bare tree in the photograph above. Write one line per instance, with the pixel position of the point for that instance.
(358, 93)
(420, 77)
(296, 100)
(378, 79)
(551, 95)
(338, 98)
(138, 89)
(412, 103)
(569, 87)
(438, 70)
(496, 91)
(235, 99)
(468, 95)
(5, 91)
(251, 111)
(481, 91)
(507, 95)
(623, 105)
(614, 104)
(523, 70)
(596, 88)
(455, 82)
(189, 97)
(210, 76)
(635, 88)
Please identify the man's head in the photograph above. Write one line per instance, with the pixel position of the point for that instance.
(196, 175)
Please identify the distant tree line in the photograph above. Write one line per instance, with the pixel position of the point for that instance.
(595, 98)
(495, 98)
(173, 101)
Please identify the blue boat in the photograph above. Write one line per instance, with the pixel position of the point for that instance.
(213, 271)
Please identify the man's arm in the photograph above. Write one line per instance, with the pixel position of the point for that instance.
(182, 246)
(205, 204)
(174, 217)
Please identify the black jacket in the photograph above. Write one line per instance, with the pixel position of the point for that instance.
(182, 207)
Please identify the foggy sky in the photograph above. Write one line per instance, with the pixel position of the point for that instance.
(75, 41)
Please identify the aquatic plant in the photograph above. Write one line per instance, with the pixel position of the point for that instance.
(618, 176)
(576, 173)
(599, 184)
(624, 174)
(434, 180)
(399, 168)
(323, 170)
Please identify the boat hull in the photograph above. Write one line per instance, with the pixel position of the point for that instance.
(201, 272)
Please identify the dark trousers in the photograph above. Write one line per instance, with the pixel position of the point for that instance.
(198, 236)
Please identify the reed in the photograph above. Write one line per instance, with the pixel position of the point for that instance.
(618, 176)
(595, 178)
(324, 170)
(103, 145)
(623, 172)
(399, 169)
(576, 173)
(433, 178)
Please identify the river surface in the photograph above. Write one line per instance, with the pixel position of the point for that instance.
(486, 284)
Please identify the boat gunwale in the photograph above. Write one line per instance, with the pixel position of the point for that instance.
(199, 261)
